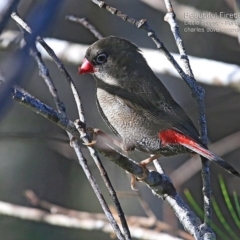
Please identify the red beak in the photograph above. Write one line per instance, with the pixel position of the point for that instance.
(86, 67)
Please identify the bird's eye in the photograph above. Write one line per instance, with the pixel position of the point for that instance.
(101, 58)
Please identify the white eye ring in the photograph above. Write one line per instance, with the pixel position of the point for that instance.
(101, 58)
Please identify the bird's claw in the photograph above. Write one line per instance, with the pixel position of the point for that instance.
(93, 132)
(135, 179)
(143, 165)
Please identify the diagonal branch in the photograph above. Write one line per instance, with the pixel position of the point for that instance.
(21, 58)
(184, 11)
(170, 17)
(86, 24)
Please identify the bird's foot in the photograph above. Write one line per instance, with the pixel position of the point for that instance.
(95, 132)
(143, 165)
(145, 162)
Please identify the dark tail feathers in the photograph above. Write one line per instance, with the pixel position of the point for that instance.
(212, 157)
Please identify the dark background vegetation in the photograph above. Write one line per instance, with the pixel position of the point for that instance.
(29, 160)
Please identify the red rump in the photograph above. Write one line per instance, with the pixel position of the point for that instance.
(170, 136)
(86, 67)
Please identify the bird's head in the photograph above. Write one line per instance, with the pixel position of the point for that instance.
(112, 58)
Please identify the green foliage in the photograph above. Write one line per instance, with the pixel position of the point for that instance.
(233, 207)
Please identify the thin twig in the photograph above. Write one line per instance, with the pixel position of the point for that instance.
(95, 157)
(152, 217)
(44, 73)
(86, 24)
(207, 192)
(184, 11)
(170, 18)
(83, 163)
(66, 75)
(29, 101)
(21, 59)
(158, 166)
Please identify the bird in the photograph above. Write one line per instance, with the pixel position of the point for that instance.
(137, 107)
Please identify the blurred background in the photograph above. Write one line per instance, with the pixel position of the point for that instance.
(32, 159)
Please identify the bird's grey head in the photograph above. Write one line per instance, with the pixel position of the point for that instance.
(112, 59)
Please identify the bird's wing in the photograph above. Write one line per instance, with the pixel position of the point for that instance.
(165, 112)
(167, 115)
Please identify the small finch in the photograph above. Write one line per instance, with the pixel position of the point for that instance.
(136, 105)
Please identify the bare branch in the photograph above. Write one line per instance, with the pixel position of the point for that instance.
(170, 18)
(86, 24)
(184, 11)
(37, 106)
(21, 58)
(97, 191)
(152, 217)
(95, 156)
(44, 73)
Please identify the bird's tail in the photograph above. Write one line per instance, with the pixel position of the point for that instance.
(170, 136)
